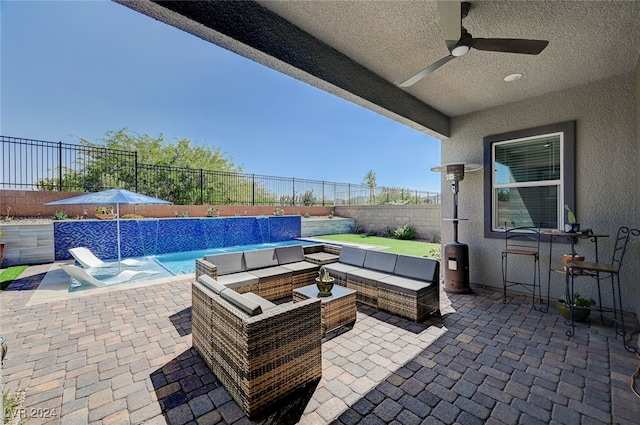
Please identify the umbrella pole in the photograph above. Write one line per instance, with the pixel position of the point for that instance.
(118, 232)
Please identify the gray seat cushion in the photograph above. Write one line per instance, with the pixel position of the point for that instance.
(211, 283)
(421, 268)
(245, 304)
(260, 258)
(352, 256)
(264, 304)
(237, 280)
(339, 269)
(369, 276)
(322, 257)
(231, 262)
(276, 271)
(380, 261)
(301, 266)
(403, 284)
(289, 254)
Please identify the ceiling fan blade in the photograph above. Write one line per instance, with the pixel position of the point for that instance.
(450, 21)
(428, 70)
(508, 45)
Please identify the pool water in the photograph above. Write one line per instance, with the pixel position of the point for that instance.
(185, 262)
(172, 264)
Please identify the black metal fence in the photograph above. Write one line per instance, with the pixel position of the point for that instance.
(56, 166)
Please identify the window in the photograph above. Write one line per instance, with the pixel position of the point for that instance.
(529, 176)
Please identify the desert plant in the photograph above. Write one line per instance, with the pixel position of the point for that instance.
(372, 233)
(307, 215)
(12, 406)
(60, 215)
(104, 210)
(308, 198)
(323, 275)
(331, 214)
(132, 216)
(406, 232)
(278, 211)
(213, 212)
(358, 229)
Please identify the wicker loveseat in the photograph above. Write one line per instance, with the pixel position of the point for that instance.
(270, 273)
(403, 285)
(259, 351)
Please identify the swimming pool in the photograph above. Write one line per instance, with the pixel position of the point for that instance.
(173, 264)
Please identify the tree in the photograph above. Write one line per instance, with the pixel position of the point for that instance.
(176, 171)
(370, 180)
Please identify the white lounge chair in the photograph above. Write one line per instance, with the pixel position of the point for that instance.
(82, 276)
(85, 257)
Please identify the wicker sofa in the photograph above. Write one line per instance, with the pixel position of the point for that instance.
(259, 351)
(270, 273)
(403, 285)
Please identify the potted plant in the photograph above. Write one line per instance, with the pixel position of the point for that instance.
(581, 307)
(105, 213)
(572, 225)
(324, 282)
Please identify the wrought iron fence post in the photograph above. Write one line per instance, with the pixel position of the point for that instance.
(59, 166)
(201, 186)
(323, 193)
(253, 189)
(135, 170)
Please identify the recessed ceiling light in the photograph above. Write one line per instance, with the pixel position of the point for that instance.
(512, 77)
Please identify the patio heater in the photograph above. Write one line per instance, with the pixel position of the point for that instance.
(455, 255)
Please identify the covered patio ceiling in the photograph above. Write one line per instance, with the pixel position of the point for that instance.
(363, 50)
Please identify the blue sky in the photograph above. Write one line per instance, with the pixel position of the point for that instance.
(83, 68)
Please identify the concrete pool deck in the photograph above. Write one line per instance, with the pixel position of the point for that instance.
(123, 355)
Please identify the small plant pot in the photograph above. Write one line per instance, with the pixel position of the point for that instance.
(572, 227)
(324, 287)
(566, 258)
(580, 314)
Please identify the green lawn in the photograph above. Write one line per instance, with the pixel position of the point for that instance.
(396, 246)
(9, 275)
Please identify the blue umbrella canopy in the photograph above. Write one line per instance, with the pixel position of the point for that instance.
(111, 196)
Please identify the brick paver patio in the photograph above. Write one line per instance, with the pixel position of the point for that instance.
(125, 357)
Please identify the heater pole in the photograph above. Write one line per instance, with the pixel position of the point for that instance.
(454, 187)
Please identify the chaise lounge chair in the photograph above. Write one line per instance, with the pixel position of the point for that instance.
(85, 257)
(82, 276)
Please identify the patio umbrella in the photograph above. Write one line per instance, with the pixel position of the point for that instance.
(111, 196)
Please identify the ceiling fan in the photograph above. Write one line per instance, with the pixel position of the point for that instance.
(459, 41)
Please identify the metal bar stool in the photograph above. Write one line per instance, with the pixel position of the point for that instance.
(612, 269)
(523, 242)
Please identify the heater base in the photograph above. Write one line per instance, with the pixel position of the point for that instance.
(456, 268)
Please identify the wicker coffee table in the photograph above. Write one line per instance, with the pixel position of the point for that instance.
(338, 312)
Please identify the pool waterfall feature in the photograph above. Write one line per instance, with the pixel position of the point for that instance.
(151, 236)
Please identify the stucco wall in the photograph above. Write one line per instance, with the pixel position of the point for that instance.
(606, 172)
(636, 299)
(426, 219)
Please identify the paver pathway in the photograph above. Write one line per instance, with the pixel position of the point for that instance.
(125, 357)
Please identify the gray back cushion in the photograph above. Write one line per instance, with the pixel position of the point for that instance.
(260, 258)
(381, 261)
(290, 254)
(228, 263)
(420, 268)
(250, 307)
(211, 283)
(352, 256)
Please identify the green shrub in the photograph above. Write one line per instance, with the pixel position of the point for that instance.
(372, 233)
(406, 232)
(308, 198)
(387, 233)
(60, 215)
(132, 216)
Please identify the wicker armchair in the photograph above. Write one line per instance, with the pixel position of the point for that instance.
(258, 359)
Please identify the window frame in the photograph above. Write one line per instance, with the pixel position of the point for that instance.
(568, 169)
